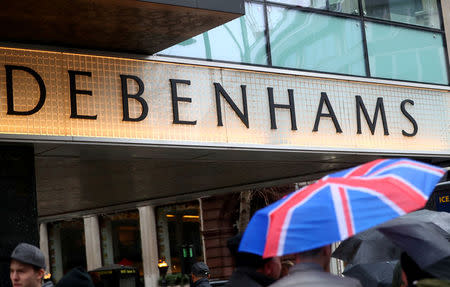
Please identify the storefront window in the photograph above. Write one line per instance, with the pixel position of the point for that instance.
(406, 54)
(309, 41)
(416, 12)
(241, 40)
(342, 6)
(121, 239)
(66, 246)
(330, 39)
(179, 238)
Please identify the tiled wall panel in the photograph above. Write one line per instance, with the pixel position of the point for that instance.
(53, 119)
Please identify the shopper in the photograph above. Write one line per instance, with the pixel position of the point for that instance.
(77, 277)
(200, 275)
(252, 270)
(27, 266)
(312, 270)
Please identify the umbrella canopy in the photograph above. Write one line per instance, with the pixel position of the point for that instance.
(340, 205)
(425, 242)
(439, 218)
(373, 246)
(378, 274)
(367, 247)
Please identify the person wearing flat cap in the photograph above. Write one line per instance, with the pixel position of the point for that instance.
(200, 275)
(27, 266)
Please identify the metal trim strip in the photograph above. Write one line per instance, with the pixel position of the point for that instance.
(213, 146)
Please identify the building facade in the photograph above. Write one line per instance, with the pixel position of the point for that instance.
(140, 154)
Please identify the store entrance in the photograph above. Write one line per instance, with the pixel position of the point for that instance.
(179, 237)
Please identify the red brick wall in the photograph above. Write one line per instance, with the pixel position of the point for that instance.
(219, 217)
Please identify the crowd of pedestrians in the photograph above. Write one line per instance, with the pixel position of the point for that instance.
(311, 268)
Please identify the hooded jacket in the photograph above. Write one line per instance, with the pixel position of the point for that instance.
(76, 277)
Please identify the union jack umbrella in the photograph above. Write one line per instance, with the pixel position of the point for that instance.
(339, 206)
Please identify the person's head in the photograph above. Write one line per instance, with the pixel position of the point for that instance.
(27, 266)
(199, 270)
(321, 256)
(76, 277)
(411, 271)
(233, 245)
(270, 267)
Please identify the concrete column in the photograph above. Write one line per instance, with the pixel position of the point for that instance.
(445, 5)
(43, 244)
(200, 205)
(93, 247)
(149, 245)
(107, 244)
(56, 253)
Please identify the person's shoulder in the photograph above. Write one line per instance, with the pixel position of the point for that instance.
(280, 282)
(329, 279)
(292, 279)
(202, 283)
(315, 278)
(243, 278)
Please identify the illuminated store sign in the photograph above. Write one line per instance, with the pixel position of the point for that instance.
(58, 94)
(442, 201)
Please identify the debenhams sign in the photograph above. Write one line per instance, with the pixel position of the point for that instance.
(111, 99)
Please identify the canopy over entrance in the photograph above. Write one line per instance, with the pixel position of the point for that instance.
(133, 26)
(74, 178)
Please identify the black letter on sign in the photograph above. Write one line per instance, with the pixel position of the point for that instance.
(137, 97)
(243, 116)
(372, 125)
(73, 95)
(291, 107)
(176, 99)
(10, 94)
(409, 117)
(332, 115)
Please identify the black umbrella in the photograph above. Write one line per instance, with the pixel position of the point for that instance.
(425, 242)
(378, 274)
(367, 247)
(372, 246)
(441, 219)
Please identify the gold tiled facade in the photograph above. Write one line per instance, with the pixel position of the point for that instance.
(53, 119)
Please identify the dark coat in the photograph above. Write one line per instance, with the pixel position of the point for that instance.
(248, 277)
(203, 282)
(76, 277)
